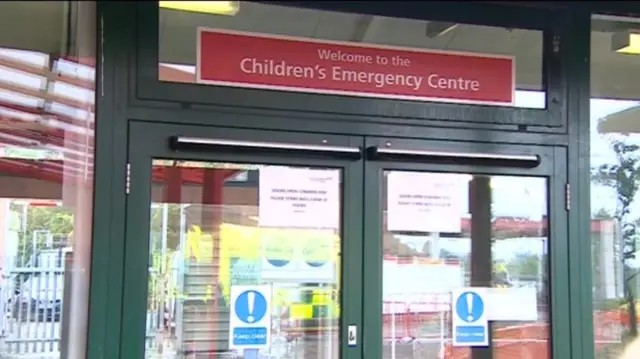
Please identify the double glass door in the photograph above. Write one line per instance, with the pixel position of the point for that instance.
(253, 244)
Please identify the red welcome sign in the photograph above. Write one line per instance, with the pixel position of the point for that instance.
(229, 58)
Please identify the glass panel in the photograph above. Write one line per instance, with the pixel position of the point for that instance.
(178, 32)
(209, 236)
(615, 172)
(443, 232)
(47, 121)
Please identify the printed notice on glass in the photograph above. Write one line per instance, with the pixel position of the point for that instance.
(298, 197)
(512, 304)
(424, 202)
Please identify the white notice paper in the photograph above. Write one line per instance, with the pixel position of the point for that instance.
(424, 202)
(512, 304)
(299, 197)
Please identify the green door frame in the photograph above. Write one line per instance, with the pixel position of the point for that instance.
(151, 141)
(552, 166)
(362, 265)
(123, 50)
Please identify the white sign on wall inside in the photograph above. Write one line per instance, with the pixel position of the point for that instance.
(300, 256)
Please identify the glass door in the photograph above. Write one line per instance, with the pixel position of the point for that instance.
(467, 249)
(238, 247)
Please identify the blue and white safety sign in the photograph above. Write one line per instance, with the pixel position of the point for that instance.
(250, 317)
(469, 323)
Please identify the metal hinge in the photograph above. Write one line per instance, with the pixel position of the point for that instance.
(127, 181)
(567, 196)
(556, 44)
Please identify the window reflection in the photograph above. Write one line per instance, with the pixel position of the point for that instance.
(615, 166)
(46, 177)
(497, 245)
(207, 237)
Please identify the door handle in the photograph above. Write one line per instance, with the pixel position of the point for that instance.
(446, 157)
(184, 143)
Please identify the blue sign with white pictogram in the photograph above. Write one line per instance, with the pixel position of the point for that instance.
(251, 306)
(469, 323)
(469, 306)
(250, 319)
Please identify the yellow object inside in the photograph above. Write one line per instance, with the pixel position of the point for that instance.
(627, 43)
(208, 7)
(246, 243)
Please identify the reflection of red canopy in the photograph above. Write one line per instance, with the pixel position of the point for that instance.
(532, 228)
(529, 228)
(49, 105)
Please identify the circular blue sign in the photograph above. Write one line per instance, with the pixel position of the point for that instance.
(316, 252)
(250, 306)
(319, 256)
(278, 252)
(469, 307)
(316, 264)
(277, 262)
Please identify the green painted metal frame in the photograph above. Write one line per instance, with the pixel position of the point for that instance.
(148, 87)
(552, 167)
(103, 332)
(579, 174)
(118, 103)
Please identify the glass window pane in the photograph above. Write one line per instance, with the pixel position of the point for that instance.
(207, 238)
(615, 166)
(47, 119)
(482, 240)
(178, 42)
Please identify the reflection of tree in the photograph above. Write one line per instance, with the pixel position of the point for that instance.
(525, 264)
(623, 177)
(426, 249)
(173, 226)
(602, 214)
(445, 254)
(161, 285)
(393, 246)
(596, 257)
(57, 221)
